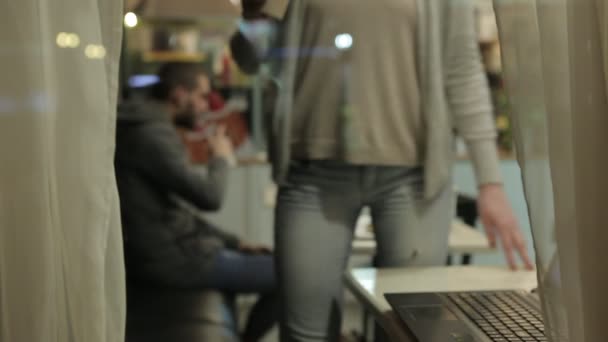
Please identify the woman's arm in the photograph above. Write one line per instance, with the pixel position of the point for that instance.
(469, 100)
(468, 93)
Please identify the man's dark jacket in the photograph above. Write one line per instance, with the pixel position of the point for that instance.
(161, 195)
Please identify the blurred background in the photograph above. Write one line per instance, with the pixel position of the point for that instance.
(159, 31)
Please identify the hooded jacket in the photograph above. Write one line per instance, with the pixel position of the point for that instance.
(161, 196)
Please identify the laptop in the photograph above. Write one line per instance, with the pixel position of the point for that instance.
(502, 316)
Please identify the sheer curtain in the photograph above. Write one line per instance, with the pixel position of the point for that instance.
(61, 263)
(554, 58)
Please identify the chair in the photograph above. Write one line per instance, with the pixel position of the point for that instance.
(171, 315)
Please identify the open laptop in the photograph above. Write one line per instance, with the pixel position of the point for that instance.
(502, 316)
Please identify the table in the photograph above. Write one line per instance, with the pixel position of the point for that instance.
(463, 240)
(369, 285)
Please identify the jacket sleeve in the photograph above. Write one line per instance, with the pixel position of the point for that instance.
(166, 163)
(468, 93)
(230, 240)
(209, 229)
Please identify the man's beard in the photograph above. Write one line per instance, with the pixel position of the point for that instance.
(186, 118)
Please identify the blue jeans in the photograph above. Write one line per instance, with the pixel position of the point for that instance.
(240, 273)
(315, 218)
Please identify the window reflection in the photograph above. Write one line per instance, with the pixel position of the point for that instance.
(131, 20)
(93, 51)
(344, 41)
(68, 40)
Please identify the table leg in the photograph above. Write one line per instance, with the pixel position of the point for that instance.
(365, 325)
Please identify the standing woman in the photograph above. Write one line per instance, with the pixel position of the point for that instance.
(369, 95)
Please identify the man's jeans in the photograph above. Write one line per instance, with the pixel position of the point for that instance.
(240, 273)
(315, 218)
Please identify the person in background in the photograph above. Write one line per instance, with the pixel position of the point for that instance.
(364, 117)
(161, 193)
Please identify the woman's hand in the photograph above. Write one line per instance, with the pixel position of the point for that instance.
(499, 222)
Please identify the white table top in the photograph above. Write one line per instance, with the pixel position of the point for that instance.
(463, 239)
(369, 285)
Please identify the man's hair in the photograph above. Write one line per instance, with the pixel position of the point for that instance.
(174, 75)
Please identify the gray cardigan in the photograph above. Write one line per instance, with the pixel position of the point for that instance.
(453, 88)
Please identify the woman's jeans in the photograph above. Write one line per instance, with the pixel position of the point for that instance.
(315, 218)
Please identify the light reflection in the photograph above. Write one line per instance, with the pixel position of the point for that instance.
(35, 102)
(41, 103)
(67, 40)
(7, 105)
(94, 51)
(344, 41)
(141, 81)
(131, 20)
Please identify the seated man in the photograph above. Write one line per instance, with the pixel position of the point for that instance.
(167, 242)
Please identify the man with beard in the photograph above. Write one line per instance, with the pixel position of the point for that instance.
(166, 241)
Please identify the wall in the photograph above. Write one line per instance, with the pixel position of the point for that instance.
(248, 210)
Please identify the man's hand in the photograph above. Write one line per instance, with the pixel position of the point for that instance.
(252, 9)
(220, 144)
(500, 222)
(253, 249)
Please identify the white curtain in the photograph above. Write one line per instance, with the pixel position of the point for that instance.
(61, 262)
(554, 62)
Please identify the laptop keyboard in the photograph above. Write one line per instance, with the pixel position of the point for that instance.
(501, 315)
